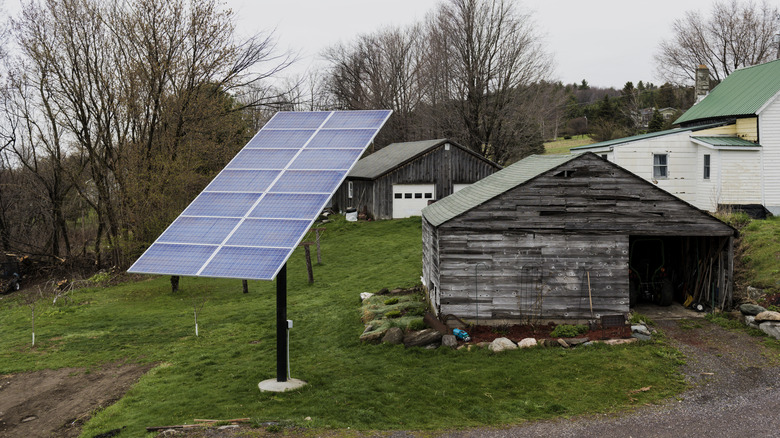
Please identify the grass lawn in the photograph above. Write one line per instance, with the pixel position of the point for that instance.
(562, 146)
(760, 240)
(364, 387)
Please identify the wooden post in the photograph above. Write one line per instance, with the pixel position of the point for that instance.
(174, 283)
(245, 286)
(308, 261)
(317, 240)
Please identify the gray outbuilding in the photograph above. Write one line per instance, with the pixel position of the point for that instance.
(569, 238)
(400, 179)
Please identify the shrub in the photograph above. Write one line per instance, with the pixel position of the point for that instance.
(393, 314)
(568, 331)
(637, 318)
(391, 301)
(417, 324)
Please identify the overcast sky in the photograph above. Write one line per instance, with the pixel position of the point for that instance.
(606, 42)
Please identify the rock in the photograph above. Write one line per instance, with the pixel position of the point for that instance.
(767, 316)
(641, 329)
(394, 335)
(228, 426)
(588, 344)
(396, 291)
(641, 336)
(500, 344)
(29, 418)
(374, 336)
(421, 338)
(750, 321)
(548, 343)
(382, 291)
(483, 344)
(449, 341)
(771, 328)
(751, 309)
(527, 343)
(433, 346)
(562, 343)
(754, 293)
(307, 419)
(365, 295)
(573, 342)
(620, 341)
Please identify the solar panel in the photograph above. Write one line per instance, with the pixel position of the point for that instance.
(248, 220)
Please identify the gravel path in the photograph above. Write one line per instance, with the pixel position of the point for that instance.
(736, 393)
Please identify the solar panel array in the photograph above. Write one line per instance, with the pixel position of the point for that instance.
(248, 220)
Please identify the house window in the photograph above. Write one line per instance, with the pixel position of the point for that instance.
(418, 196)
(349, 189)
(399, 195)
(407, 196)
(429, 196)
(660, 168)
(707, 166)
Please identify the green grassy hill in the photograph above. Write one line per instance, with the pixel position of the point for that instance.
(351, 384)
(562, 146)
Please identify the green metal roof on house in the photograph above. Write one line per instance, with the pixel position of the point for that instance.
(725, 141)
(491, 186)
(742, 93)
(629, 139)
(639, 137)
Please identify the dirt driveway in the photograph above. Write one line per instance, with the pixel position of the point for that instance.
(736, 393)
(57, 402)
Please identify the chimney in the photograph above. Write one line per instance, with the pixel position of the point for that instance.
(702, 82)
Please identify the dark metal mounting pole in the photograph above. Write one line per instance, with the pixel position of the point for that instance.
(281, 325)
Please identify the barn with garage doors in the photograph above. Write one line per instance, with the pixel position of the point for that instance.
(400, 179)
(570, 238)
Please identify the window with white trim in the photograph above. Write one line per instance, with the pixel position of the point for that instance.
(706, 173)
(660, 166)
(349, 189)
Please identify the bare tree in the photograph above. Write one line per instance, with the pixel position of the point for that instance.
(147, 96)
(734, 35)
(484, 54)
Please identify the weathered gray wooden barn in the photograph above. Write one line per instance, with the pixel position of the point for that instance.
(400, 179)
(551, 237)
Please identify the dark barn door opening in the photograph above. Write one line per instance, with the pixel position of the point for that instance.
(690, 270)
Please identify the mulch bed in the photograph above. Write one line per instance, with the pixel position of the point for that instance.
(516, 333)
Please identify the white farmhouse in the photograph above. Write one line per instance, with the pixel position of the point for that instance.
(726, 151)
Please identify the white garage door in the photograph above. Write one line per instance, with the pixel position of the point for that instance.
(409, 199)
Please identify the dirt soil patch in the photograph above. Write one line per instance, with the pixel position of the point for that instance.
(58, 402)
(516, 333)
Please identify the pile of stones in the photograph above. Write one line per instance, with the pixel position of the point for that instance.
(760, 318)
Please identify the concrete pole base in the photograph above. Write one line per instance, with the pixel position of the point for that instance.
(273, 385)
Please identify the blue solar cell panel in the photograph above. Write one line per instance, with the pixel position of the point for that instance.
(203, 230)
(293, 120)
(269, 232)
(288, 205)
(308, 181)
(248, 219)
(242, 181)
(173, 259)
(357, 119)
(221, 204)
(247, 263)
(280, 139)
(262, 159)
(334, 159)
(342, 138)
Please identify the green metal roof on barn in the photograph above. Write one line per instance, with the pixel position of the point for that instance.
(491, 186)
(397, 154)
(743, 93)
